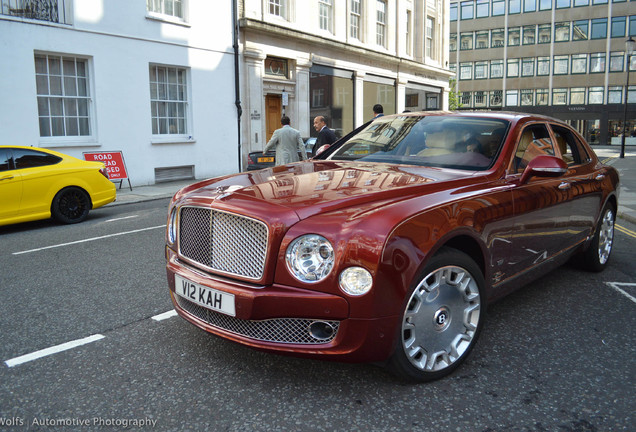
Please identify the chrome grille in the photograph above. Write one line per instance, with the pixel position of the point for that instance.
(281, 330)
(223, 242)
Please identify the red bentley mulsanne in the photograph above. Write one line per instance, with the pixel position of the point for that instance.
(388, 246)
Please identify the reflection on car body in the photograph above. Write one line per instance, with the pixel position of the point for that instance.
(389, 245)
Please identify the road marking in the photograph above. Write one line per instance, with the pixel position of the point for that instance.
(165, 315)
(52, 350)
(122, 218)
(88, 240)
(616, 286)
(625, 230)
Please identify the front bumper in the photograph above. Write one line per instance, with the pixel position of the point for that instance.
(279, 318)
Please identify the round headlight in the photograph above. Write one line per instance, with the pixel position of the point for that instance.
(310, 258)
(355, 281)
(172, 226)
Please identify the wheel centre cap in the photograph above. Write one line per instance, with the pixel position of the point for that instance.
(442, 319)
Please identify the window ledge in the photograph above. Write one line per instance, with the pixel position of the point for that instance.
(166, 19)
(158, 140)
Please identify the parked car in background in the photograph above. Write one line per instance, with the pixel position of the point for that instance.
(389, 246)
(37, 183)
(257, 160)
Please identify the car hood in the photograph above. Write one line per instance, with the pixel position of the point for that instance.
(316, 187)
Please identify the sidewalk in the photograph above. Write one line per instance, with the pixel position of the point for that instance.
(607, 154)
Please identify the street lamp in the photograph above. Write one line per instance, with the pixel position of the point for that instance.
(630, 44)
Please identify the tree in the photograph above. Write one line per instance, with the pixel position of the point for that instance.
(454, 102)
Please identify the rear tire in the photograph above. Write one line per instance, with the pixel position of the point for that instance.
(596, 257)
(71, 205)
(441, 319)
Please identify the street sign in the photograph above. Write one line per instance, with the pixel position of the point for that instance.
(115, 165)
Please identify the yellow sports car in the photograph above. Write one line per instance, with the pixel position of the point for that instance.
(37, 183)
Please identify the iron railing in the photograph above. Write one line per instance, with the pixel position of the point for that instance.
(43, 10)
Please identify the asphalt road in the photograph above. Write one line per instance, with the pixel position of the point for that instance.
(557, 355)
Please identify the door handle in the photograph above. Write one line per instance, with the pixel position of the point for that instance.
(564, 186)
(600, 177)
(6, 178)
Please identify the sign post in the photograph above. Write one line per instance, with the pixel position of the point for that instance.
(115, 165)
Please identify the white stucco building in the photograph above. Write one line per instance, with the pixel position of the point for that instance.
(338, 58)
(153, 79)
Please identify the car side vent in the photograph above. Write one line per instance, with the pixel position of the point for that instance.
(166, 174)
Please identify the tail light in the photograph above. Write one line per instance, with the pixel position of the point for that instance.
(104, 172)
(249, 160)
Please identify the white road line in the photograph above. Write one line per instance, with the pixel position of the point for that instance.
(165, 315)
(52, 350)
(88, 240)
(122, 218)
(616, 286)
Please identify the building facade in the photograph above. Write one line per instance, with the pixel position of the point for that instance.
(563, 58)
(153, 79)
(338, 58)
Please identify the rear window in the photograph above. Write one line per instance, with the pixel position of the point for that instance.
(470, 143)
(31, 158)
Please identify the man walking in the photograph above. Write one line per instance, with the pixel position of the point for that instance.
(287, 142)
(325, 135)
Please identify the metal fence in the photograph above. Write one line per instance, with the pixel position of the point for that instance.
(43, 10)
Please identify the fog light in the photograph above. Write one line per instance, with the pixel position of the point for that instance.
(321, 330)
(356, 281)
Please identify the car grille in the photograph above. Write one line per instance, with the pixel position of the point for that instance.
(281, 330)
(223, 242)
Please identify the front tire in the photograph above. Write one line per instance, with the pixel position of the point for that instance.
(441, 319)
(71, 205)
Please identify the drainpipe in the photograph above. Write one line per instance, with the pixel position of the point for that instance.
(237, 89)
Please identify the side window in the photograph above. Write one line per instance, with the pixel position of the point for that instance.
(569, 148)
(535, 141)
(31, 158)
(5, 160)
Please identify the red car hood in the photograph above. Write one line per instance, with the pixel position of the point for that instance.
(315, 187)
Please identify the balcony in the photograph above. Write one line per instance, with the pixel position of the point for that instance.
(42, 10)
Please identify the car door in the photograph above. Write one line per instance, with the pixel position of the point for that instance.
(10, 186)
(583, 183)
(541, 219)
(37, 172)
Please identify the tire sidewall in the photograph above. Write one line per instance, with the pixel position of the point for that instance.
(59, 215)
(399, 363)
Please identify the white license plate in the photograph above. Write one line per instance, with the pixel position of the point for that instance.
(207, 297)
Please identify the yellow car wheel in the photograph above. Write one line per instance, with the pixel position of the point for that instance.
(71, 205)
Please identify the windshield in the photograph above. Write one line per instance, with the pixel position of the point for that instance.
(470, 143)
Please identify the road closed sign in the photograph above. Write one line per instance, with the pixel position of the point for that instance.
(114, 161)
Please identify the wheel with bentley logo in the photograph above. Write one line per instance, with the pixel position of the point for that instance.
(441, 319)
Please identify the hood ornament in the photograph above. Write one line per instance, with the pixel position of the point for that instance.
(225, 191)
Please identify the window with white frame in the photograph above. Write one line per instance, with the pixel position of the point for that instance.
(380, 26)
(325, 15)
(430, 39)
(355, 19)
(278, 8)
(169, 100)
(172, 8)
(64, 104)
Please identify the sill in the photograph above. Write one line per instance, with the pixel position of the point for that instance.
(62, 142)
(168, 19)
(159, 140)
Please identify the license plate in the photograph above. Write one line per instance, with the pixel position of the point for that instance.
(203, 296)
(265, 159)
